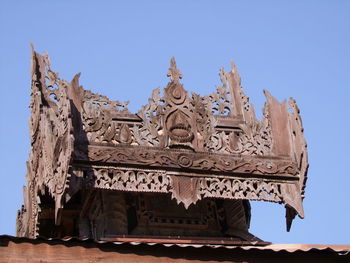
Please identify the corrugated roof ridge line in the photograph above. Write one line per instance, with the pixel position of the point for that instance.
(290, 248)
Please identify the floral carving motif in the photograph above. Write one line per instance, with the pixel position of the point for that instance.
(253, 139)
(98, 113)
(129, 180)
(141, 180)
(195, 161)
(220, 102)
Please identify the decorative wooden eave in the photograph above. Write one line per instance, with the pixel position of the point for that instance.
(191, 146)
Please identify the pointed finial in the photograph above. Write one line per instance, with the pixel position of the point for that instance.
(235, 72)
(32, 47)
(174, 73)
(32, 69)
(233, 67)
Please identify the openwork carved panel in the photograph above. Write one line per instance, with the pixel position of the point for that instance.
(189, 146)
(194, 188)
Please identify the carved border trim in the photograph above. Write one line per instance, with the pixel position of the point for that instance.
(160, 181)
(197, 161)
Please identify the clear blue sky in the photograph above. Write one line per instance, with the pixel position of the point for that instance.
(291, 48)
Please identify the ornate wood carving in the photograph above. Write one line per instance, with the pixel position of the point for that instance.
(52, 142)
(200, 162)
(195, 187)
(189, 146)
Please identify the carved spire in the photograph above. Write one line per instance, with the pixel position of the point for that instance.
(174, 73)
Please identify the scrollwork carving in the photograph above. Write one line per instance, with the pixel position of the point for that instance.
(128, 179)
(137, 180)
(151, 132)
(256, 138)
(195, 161)
(52, 140)
(98, 113)
(220, 102)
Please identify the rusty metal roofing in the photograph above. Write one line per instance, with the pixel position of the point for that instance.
(199, 243)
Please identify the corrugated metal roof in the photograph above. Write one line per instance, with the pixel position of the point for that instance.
(212, 243)
(302, 247)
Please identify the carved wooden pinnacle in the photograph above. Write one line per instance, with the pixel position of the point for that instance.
(174, 73)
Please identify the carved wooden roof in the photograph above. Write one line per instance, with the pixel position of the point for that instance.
(182, 143)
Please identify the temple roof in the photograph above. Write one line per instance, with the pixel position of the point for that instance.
(187, 145)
